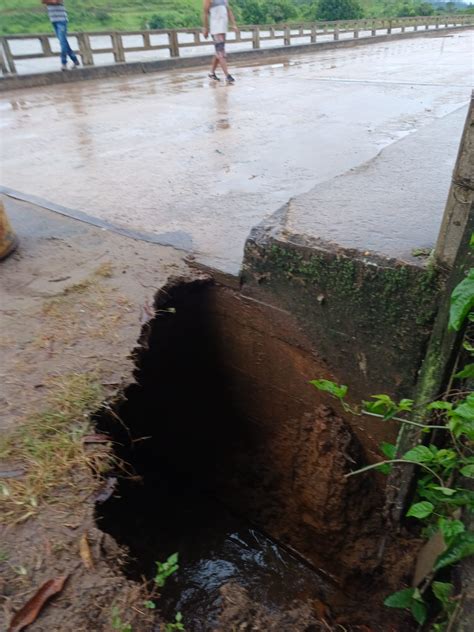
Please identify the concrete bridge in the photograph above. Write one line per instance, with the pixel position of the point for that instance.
(174, 159)
(343, 159)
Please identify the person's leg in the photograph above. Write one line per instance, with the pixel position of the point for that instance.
(215, 62)
(69, 50)
(221, 56)
(59, 30)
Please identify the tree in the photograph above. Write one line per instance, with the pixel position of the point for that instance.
(157, 22)
(252, 11)
(339, 10)
(281, 10)
(424, 8)
(309, 11)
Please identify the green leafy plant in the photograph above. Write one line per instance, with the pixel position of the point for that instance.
(149, 604)
(165, 569)
(177, 626)
(117, 623)
(409, 598)
(441, 497)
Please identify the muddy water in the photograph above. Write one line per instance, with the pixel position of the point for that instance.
(221, 549)
(215, 547)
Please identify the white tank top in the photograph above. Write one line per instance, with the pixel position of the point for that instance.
(219, 18)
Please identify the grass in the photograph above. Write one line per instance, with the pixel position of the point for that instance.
(89, 309)
(49, 446)
(29, 16)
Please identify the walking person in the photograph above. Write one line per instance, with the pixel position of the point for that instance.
(217, 14)
(58, 17)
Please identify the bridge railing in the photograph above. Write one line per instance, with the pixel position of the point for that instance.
(122, 46)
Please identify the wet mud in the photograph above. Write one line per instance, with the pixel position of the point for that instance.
(238, 465)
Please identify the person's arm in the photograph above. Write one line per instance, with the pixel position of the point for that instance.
(205, 17)
(232, 18)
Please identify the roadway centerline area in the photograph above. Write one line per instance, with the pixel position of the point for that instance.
(197, 164)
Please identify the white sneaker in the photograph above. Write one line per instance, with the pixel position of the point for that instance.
(63, 66)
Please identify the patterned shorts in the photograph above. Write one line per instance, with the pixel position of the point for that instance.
(219, 44)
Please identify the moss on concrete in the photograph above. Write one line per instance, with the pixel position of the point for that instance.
(360, 282)
(353, 306)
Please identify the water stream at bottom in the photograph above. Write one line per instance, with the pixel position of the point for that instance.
(216, 549)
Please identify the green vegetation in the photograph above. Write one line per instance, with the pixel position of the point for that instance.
(49, 446)
(444, 496)
(29, 16)
(117, 623)
(177, 626)
(338, 10)
(165, 570)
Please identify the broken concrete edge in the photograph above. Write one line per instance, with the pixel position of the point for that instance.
(14, 82)
(369, 316)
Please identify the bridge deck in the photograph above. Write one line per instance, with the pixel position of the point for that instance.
(196, 164)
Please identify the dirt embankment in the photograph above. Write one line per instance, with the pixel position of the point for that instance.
(73, 300)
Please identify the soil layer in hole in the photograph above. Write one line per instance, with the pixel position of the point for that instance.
(222, 409)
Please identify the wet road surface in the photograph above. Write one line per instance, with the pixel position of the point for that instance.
(198, 164)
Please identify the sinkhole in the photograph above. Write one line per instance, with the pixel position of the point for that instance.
(237, 464)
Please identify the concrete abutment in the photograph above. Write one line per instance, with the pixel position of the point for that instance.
(223, 405)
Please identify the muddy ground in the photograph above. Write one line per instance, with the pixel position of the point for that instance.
(73, 300)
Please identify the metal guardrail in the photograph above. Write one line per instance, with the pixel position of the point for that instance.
(254, 35)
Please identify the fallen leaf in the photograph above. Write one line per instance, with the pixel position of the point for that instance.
(428, 556)
(33, 606)
(85, 552)
(96, 438)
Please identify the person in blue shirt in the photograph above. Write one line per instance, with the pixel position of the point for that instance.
(58, 17)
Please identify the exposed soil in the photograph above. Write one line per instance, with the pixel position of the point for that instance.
(73, 300)
(220, 406)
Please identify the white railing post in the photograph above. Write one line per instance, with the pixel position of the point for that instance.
(174, 45)
(256, 37)
(117, 45)
(85, 50)
(8, 56)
